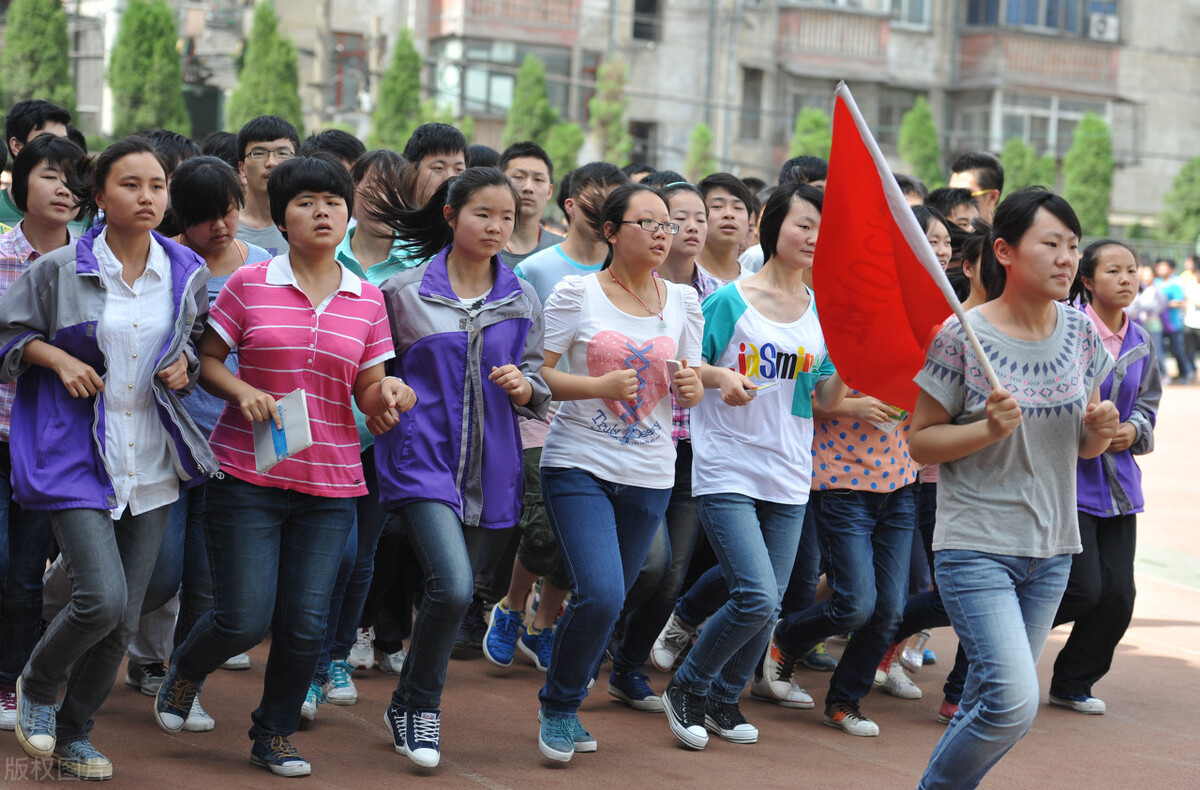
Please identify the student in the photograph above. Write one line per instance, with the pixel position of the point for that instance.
(955, 204)
(1003, 552)
(982, 174)
(26, 120)
(1173, 328)
(343, 146)
(608, 463)
(728, 203)
(298, 321)
(145, 298)
(914, 189)
(47, 188)
(532, 173)
(753, 521)
(262, 145)
(1100, 590)
(937, 231)
(438, 151)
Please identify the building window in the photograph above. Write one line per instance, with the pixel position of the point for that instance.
(645, 142)
(892, 105)
(646, 22)
(349, 71)
(1097, 20)
(911, 12)
(1047, 123)
(750, 124)
(983, 12)
(478, 77)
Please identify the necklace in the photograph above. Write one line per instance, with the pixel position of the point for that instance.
(658, 312)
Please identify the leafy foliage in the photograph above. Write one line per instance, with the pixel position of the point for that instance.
(918, 144)
(700, 159)
(607, 110)
(145, 72)
(269, 83)
(1023, 167)
(399, 110)
(35, 62)
(1088, 174)
(531, 116)
(812, 135)
(1181, 205)
(563, 144)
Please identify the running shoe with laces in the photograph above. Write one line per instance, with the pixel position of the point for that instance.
(174, 701)
(82, 760)
(500, 639)
(470, 634)
(312, 701)
(390, 663)
(36, 725)
(584, 742)
(675, 637)
(422, 736)
(786, 694)
(556, 738)
(727, 721)
(912, 658)
(1081, 703)
(146, 678)
(538, 645)
(397, 724)
(340, 689)
(198, 719)
(277, 754)
(362, 652)
(818, 659)
(898, 684)
(633, 688)
(881, 673)
(685, 714)
(8, 707)
(846, 717)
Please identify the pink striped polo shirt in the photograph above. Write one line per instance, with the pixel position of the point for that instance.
(283, 344)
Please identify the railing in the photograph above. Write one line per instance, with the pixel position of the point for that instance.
(1033, 59)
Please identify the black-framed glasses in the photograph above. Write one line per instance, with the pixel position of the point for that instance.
(651, 226)
(261, 154)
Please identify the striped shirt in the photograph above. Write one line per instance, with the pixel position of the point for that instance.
(16, 253)
(283, 344)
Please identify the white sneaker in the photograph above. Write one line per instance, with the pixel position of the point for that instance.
(362, 654)
(340, 689)
(390, 663)
(312, 701)
(898, 684)
(238, 663)
(674, 639)
(8, 708)
(198, 719)
(1083, 703)
(784, 693)
(913, 658)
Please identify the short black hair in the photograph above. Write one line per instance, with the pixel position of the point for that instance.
(755, 185)
(320, 172)
(434, 138)
(380, 161)
(528, 150)
(989, 173)
(1016, 214)
(804, 169)
(480, 155)
(60, 153)
(660, 178)
(342, 145)
(731, 184)
(174, 147)
(222, 145)
(202, 190)
(634, 168)
(564, 192)
(777, 208)
(128, 146)
(583, 180)
(264, 129)
(75, 135)
(911, 185)
(946, 199)
(26, 116)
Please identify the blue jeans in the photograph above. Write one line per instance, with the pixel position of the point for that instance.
(604, 531)
(1002, 609)
(867, 539)
(437, 539)
(756, 543)
(274, 555)
(109, 565)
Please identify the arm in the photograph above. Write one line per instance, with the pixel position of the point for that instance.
(1145, 408)
(935, 440)
(80, 379)
(535, 402)
(830, 393)
(614, 385)
(734, 386)
(256, 405)
(1100, 423)
(376, 394)
(857, 407)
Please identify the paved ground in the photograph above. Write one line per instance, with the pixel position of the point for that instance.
(1148, 738)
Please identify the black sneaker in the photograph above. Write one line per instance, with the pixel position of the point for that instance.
(146, 678)
(276, 753)
(685, 714)
(847, 717)
(470, 635)
(727, 721)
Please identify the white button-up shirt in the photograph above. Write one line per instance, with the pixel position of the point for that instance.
(136, 324)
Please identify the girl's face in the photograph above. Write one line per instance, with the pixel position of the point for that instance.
(1042, 264)
(315, 221)
(1146, 275)
(134, 194)
(687, 211)
(939, 239)
(798, 235)
(635, 244)
(1113, 284)
(48, 201)
(485, 222)
(214, 237)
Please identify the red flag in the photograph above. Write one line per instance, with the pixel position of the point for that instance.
(881, 293)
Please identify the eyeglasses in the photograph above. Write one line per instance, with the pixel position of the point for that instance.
(261, 154)
(649, 225)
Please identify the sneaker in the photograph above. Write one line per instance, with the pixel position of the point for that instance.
(390, 663)
(670, 644)
(556, 737)
(339, 689)
(8, 707)
(397, 724)
(947, 711)
(500, 639)
(173, 703)
(82, 760)
(633, 688)
(929, 658)
(898, 684)
(783, 693)
(818, 659)
(198, 719)
(35, 725)
(685, 714)
(276, 753)
(538, 645)
(1082, 703)
(583, 740)
(146, 678)
(422, 736)
(912, 658)
(238, 663)
(881, 674)
(313, 700)
(846, 716)
(727, 721)
(362, 653)
(470, 634)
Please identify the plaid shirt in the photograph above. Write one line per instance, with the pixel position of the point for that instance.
(16, 253)
(704, 284)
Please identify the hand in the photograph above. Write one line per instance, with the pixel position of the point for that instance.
(80, 378)
(396, 395)
(1102, 419)
(734, 388)
(512, 381)
(619, 385)
(384, 422)
(1126, 436)
(688, 388)
(868, 409)
(175, 375)
(258, 406)
(1003, 414)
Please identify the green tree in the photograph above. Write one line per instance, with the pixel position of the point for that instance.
(1088, 174)
(269, 83)
(35, 62)
(1023, 167)
(531, 115)
(812, 134)
(607, 109)
(399, 110)
(918, 144)
(563, 144)
(1181, 205)
(145, 73)
(700, 159)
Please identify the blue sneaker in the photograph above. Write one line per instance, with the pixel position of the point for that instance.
(174, 701)
(633, 688)
(397, 724)
(422, 736)
(276, 754)
(929, 657)
(36, 725)
(538, 645)
(583, 740)
(556, 738)
(82, 760)
(500, 640)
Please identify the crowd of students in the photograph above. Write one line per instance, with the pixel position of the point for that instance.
(626, 445)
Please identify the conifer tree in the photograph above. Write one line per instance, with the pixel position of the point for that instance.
(1023, 167)
(35, 61)
(1088, 174)
(531, 115)
(1181, 206)
(399, 108)
(607, 108)
(145, 72)
(812, 134)
(700, 159)
(563, 144)
(269, 83)
(918, 144)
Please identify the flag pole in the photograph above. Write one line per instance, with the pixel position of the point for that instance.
(913, 232)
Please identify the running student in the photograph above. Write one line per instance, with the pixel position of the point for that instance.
(1003, 551)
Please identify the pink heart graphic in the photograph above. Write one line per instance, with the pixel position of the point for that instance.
(609, 351)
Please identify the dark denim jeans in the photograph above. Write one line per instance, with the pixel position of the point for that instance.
(275, 556)
(867, 539)
(604, 531)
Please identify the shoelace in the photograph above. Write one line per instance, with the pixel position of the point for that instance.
(339, 675)
(8, 700)
(426, 729)
(729, 714)
(563, 729)
(545, 646)
(316, 693)
(787, 664)
(363, 642)
(849, 712)
(281, 748)
(155, 671)
(676, 637)
(42, 718)
(640, 684)
(82, 751)
(181, 693)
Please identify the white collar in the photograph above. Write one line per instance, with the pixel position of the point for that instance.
(279, 272)
(156, 260)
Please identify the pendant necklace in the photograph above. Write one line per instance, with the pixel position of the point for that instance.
(662, 323)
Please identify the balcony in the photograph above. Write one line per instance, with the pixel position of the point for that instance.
(551, 22)
(835, 44)
(1025, 60)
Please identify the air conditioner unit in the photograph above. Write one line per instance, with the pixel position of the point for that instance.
(1104, 27)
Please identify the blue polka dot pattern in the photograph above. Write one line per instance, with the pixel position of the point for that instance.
(846, 458)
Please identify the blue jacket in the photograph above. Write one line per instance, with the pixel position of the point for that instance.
(460, 444)
(57, 441)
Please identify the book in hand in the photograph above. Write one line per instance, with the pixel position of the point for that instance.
(271, 444)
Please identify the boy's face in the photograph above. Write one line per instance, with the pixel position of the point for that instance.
(531, 177)
(433, 169)
(315, 222)
(260, 158)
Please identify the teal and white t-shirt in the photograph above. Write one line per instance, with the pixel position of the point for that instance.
(771, 437)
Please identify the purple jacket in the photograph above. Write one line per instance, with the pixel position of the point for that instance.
(1111, 484)
(460, 444)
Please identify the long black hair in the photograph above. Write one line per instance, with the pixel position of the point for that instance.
(614, 208)
(1087, 267)
(1015, 215)
(134, 144)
